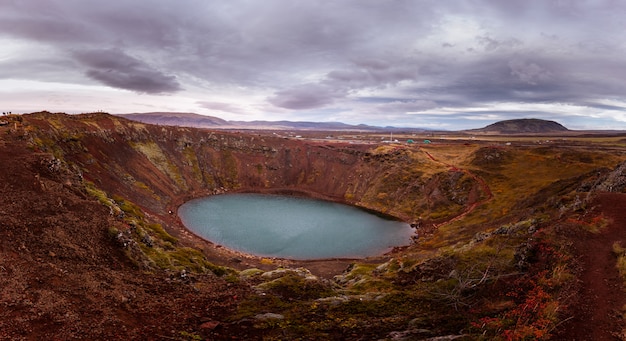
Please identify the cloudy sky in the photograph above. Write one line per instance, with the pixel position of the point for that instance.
(414, 63)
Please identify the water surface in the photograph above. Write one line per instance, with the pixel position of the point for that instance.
(292, 227)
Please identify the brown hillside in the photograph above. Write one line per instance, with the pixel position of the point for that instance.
(91, 247)
(524, 126)
(177, 119)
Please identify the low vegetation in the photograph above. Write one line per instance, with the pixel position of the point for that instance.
(493, 261)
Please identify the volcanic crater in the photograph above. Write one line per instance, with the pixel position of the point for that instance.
(92, 246)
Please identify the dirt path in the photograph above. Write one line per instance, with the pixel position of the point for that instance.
(597, 314)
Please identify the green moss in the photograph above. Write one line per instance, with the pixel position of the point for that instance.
(157, 256)
(190, 336)
(256, 304)
(159, 232)
(97, 193)
(294, 286)
(112, 232)
(371, 285)
(398, 303)
(368, 278)
(192, 160)
(188, 258)
(360, 270)
(183, 258)
(162, 162)
(102, 197)
(254, 272)
(161, 249)
(229, 168)
(128, 207)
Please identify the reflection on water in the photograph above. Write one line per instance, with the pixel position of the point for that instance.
(292, 227)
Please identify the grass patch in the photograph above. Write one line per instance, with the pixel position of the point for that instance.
(128, 207)
(521, 177)
(182, 258)
(162, 162)
(292, 286)
(257, 304)
(160, 232)
(158, 246)
(99, 194)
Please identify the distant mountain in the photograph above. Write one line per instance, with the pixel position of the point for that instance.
(177, 119)
(524, 125)
(202, 121)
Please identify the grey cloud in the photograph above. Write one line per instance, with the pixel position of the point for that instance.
(326, 55)
(597, 46)
(306, 96)
(44, 21)
(480, 83)
(338, 84)
(605, 106)
(528, 72)
(39, 68)
(374, 72)
(555, 9)
(405, 106)
(221, 106)
(491, 44)
(117, 69)
(44, 29)
(92, 22)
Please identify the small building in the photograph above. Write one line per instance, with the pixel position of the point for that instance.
(409, 141)
(427, 142)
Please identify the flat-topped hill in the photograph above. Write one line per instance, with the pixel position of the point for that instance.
(525, 125)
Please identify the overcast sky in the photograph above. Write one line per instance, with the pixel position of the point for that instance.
(414, 63)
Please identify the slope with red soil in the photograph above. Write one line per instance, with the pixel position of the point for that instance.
(597, 313)
(64, 275)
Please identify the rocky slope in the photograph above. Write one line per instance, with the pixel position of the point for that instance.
(89, 201)
(159, 167)
(64, 276)
(91, 247)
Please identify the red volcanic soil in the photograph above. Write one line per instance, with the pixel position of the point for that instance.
(62, 277)
(597, 314)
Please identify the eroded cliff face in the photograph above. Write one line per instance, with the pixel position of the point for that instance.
(160, 167)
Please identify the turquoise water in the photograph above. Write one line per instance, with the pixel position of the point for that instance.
(292, 227)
